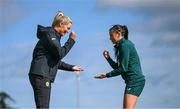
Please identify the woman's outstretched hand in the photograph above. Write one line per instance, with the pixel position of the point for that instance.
(100, 76)
(77, 68)
(106, 54)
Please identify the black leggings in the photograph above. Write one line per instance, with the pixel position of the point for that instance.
(42, 89)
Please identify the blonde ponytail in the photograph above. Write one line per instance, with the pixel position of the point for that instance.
(60, 18)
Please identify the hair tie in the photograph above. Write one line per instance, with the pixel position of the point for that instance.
(59, 13)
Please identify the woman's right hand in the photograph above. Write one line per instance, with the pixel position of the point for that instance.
(106, 54)
(101, 76)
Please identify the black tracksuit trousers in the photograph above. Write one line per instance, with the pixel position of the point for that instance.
(42, 89)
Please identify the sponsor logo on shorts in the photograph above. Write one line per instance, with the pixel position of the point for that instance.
(128, 89)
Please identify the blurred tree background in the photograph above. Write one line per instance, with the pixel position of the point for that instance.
(4, 100)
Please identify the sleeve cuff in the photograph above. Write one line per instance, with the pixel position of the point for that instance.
(71, 41)
(108, 75)
(108, 59)
(71, 66)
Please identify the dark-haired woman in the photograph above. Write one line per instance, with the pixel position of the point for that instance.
(127, 65)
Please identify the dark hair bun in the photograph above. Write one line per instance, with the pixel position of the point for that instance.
(126, 32)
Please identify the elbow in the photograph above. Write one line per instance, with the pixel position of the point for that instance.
(125, 70)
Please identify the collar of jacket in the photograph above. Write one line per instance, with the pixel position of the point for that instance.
(118, 43)
(57, 34)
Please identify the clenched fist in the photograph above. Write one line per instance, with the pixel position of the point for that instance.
(106, 54)
(72, 35)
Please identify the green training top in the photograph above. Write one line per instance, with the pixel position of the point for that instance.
(128, 63)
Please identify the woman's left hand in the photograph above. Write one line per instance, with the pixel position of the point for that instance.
(77, 68)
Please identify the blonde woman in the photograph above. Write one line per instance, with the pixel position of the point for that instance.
(47, 56)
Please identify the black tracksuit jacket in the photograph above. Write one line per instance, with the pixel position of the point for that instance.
(48, 53)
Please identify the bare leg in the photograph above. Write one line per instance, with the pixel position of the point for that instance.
(129, 101)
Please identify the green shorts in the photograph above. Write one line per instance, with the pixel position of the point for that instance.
(135, 90)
